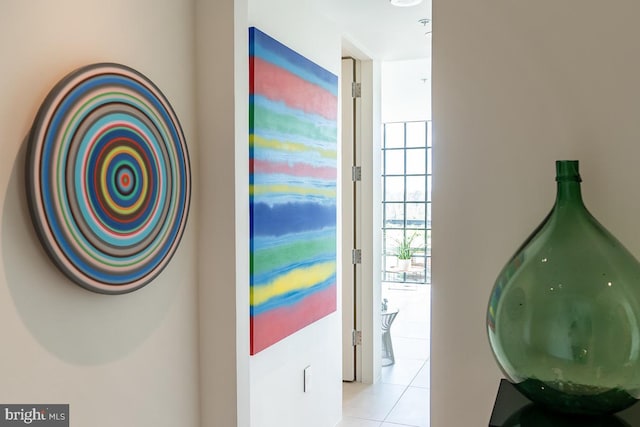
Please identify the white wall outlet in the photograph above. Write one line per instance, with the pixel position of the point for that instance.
(307, 379)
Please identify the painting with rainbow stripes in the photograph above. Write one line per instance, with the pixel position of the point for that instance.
(293, 141)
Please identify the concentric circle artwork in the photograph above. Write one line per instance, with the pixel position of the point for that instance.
(108, 178)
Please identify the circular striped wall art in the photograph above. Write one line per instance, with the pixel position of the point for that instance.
(108, 178)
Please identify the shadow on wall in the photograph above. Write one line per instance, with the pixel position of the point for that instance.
(76, 325)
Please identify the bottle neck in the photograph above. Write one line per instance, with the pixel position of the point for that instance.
(568, 179)
(568, 192)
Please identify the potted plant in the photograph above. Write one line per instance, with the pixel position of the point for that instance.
(404, 251)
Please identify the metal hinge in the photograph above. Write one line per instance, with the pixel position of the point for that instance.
(356, 90)
(356, 337)
(356, 173)
(356, 256)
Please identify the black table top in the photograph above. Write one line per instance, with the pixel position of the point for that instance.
(512, 409)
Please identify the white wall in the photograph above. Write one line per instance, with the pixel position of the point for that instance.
(127, 360)
(155, 356)
(517, 85)
(276, 373)
(406, 90)
(222, 76)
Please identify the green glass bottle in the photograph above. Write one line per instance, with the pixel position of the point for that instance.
(564, 314)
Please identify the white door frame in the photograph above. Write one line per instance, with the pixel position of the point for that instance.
(348, 208)
(367, 224)
(369, 361)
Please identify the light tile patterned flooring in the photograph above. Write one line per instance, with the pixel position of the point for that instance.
(401, 397)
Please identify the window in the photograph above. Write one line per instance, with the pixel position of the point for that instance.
(406, 200)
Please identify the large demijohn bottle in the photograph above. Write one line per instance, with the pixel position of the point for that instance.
(564, 313)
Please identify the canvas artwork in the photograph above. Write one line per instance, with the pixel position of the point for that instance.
(293, 147)
(108, 178)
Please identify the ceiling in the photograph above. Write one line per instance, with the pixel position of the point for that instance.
(378, 30)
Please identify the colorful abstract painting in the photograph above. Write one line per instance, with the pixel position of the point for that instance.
(293, 143)
(108, 178)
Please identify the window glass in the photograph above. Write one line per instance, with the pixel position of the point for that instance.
(416, 161)
(394, 135)
(416, 215)
(394, 189)
(394, 215)
(418, 242)
(392, 237)
(416, 134)
(406, 205)
(393, 162)
(416, 188)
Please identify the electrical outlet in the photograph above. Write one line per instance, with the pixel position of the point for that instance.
(307, 379)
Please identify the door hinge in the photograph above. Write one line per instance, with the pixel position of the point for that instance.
(356, 337)
(356, 256)
(356, 173)
(356, 90)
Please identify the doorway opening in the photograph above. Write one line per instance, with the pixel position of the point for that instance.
(402, 214)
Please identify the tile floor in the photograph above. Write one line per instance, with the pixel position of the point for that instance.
(401, 397)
